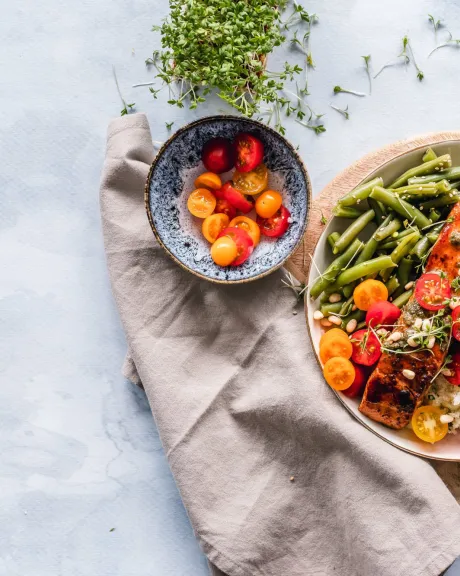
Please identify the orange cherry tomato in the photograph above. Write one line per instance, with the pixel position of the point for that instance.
(427, 425)
(334, 347)
(369, 292)
(268, 203)
(333, 333)
(253, 182)
(339, 373)
(208, 180)
(213, 225)
(201, 203)
(248, 225)
(224, 251)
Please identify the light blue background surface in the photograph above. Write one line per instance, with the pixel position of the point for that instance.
(79, 452)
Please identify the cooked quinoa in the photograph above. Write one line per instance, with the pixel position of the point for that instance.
(446, 396)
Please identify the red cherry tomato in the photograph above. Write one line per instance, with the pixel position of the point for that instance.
(366, 347)
(382, 313)
(359, 383)
(249, 152)
(243, 241)
(224, 207)
(454, 367)
(276, 225)
(456, 323)
(236, 198)
(431, 291)
(218, 155)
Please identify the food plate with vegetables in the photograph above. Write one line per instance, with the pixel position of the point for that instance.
(228, 199)
(382, 301)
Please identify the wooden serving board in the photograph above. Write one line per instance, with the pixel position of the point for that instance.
(299, 263)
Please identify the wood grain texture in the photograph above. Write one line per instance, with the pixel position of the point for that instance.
(299, 263)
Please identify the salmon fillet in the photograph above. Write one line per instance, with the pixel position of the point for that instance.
(390, 397)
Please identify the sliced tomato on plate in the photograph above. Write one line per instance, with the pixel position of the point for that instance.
(249, 152)
(454, 366)
(382, 313)
(359, 383)
(427, 425)
(276, 225)
(234, 197)
(456, 323)
(244, 243)
(366, 347)
(218, 155)
(224, 207)
(431, 291)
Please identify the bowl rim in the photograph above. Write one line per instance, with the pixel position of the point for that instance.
(307, 315)
(220, 117)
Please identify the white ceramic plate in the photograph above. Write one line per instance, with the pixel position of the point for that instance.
(449, 447)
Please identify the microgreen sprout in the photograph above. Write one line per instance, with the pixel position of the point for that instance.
(402, 58)
(317, 128)
(343, 111)
(451, 41)
(436, 25)
(127, 108)
(455, 285)
(323, 219)
(339, 89)
(367, 60)
(290, 281)
(169, 125)
(408, 45)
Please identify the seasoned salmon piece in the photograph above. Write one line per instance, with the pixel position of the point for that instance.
(390, 396)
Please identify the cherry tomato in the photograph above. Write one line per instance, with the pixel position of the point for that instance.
(366, 347)
(339, 373)
(243, 241)
(456, 323)
(431, 291)
(368, 292)
(218, 155)
(224, 207)
(359, 383)
(427, 425)
(276, 225)
(253, 182)
(268, 203)
(382, 313)
(235, 198)
(249, 226)
(249, 152)
(224, 251)
(454, 367)
(208, 180)
(201, 202)
(213, 225)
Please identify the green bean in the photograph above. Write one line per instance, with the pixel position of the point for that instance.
(392, 285)
(421, 248)
(355, 315)
(429, 155)
(441, 163)
(434, 215)
(404, 270)
(400, 206)
(443, 186)
(434, 234)
(403, 299)
(371, 245)
(361, 325)
(363, 269)
(402, 249)
(346, 306)
(331, 308)
(445, 200)
(346, 212)
(417, 190)
(352, 231)
(334, 269)
(379, 209)
(361, 192)
(388, 230)
(388, 245)
(332, 239)
(450, 174)
(349, 289)
(408, 231)
(455, 185)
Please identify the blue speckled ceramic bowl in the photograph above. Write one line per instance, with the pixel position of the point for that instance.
(170, 182)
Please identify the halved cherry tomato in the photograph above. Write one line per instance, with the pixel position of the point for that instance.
(208, 180)
(249, 152)
(334, 347)
(339, 373)
(431, 291)
(252, 182)
(454, 366)
(368, 292)
(456, 323)
(224, 207)
(276, 225)
(382, 313)
(201, 202)
(366, 347)
(249, 226)
(218, 155)
(213, 226)
(268, 203)
(359, 383)
(333, 333)
(235, 198)
(427, 425)
(244, 243)
(224, 251)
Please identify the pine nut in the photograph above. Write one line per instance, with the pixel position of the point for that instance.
(431, 341)
(325, 322)
(335, 320)
(395, 337)
(318, 315)
(351, 326)
(446, 418)
(333, 298)
(418, 323)
(409, 285)
(409, 374)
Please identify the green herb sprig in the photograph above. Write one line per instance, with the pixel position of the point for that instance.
(339, 89)
(367, 60)
(127, 108)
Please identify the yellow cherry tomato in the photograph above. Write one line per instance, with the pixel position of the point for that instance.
(224, 251)
(208, 180)
(252, 182)
(268, 203)
(427, 425)
(248, 225)
(213, 225)
(369, 292)
(339, 373)
(201, 202)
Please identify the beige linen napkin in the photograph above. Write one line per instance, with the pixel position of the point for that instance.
(277, 478)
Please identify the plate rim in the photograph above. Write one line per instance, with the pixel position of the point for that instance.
(219, 117)
(362, 422)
